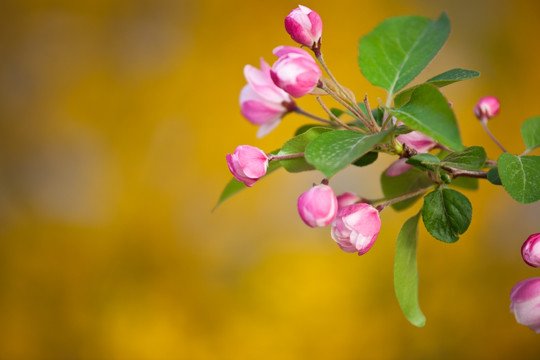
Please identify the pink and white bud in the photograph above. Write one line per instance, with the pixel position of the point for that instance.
(356, 228)
(247, 164)
(416, 141)
(262, 102)
(295, 71)
(304, 25)
(530, 251)
(487, 107)
(525, 303)
(318, 206)
(347, 198)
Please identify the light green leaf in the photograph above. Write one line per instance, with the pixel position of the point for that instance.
(428, 112)
(406, 272)
(399, 48)
(471, 158)
(530, 132)
(332, 151)
(441, 80)
(408, 182)
(446, 213)
(298, 145)
(425, 160)
(520, 176)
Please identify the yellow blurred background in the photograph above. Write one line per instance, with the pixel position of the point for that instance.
(115, 118)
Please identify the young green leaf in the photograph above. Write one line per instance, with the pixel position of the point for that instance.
(428, 112)
(406, 272)
(399, 48)
(447, 214)
(530, 132)
(471, 158)
(408, 182)
(234, 186)
(332, 151)
(441, 80)
(426, 161)
(520, 176)
(298, 145)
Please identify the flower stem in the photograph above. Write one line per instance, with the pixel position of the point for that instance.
(381, 206)
(272, 157)
(301, 111)
(336, 119)
(484, 121)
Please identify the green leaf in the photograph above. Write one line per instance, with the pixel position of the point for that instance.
(447, 214)
(428, 112)
(332, 151)
(530, 132)
(465, 183)
(425, 160)
(406, 272)
(520, 176)
(234, 186)
(471, 158)
(408, 182)
(298, 145)
(366, 159)
(493, 176)
(399, 48)
(441, 80)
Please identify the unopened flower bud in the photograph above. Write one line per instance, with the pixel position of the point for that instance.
(356, 228)
(295, 71)
(304, 25)
(247, 164)
(348, 198)
(530, 251)
(487, 107)
(525, 303)
(318, 206)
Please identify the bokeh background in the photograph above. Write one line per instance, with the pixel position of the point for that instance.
(115, 118)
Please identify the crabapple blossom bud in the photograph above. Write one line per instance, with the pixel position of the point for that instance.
(487, 107)
(356, 227)
(318, 206)
(347, 198)
(295, 71)
(525, 303)
(304, 25)
(530, 251)
(262, 102)
(415, 140)
(247, 164)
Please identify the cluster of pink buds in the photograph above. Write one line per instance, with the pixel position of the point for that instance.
(525, 295)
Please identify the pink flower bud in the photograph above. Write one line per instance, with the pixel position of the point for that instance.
(318, 206)
(247, 164)
(295, 71)
(530, 251)
(487, 107)
(525, 303)
(347, 198)
(356, 227)
(416, 141)
(261, 101)
(304, 25)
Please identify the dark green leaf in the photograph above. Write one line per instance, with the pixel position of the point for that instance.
(493, 176)
(298, 145)
(471, 158)
(425, 160)
(428, 112)
(399, 48)
(408, 182)
(439, 81)
(332, 151)
(520, 176)
(366, 159)
(406, 272)
(446, 214)
(234, 186)
(530, 132)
